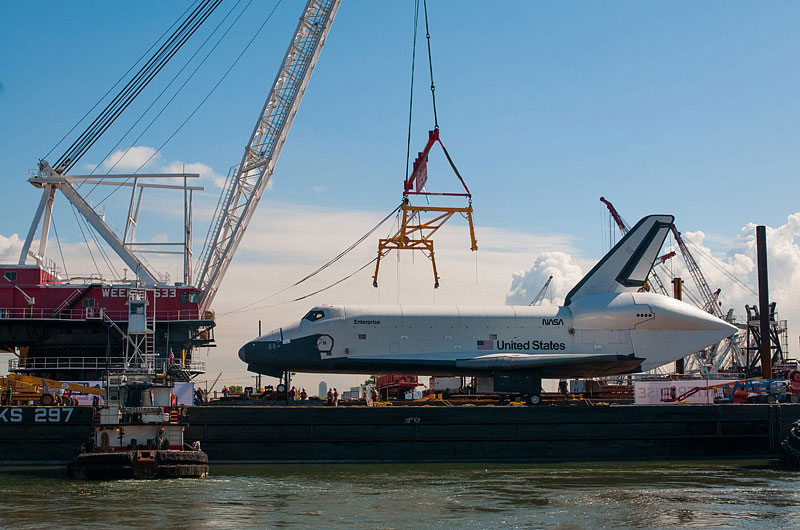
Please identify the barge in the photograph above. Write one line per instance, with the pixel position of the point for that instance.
(298, 434)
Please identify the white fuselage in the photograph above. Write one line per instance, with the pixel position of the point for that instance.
(556, 341)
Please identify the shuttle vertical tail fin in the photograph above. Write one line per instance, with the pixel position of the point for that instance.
(627, 265)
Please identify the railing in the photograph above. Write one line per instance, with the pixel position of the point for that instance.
(91, 313)
(95, 363)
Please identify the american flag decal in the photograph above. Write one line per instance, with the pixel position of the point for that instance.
(485, 344)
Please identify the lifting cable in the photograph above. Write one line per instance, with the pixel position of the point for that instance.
(430, 64)
(136, 85)
(334, 284)
(58, 240)
(91, 254)
(103, 254)
(411, 96)
(433, 85)
(178, 91)
(202, 102)
(722, 269)
(248, 307)
(351, 247)
(199, 105)
(118, 81)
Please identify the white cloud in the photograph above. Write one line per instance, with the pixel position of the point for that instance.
(318, 189)
(205, 171)
(10, 247)
(131, 159)
(139, 155)
(525, 285)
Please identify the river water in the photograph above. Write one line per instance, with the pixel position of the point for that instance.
(695, 494)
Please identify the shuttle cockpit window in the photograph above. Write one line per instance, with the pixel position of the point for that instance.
(314, 315)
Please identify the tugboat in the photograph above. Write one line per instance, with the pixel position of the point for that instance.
(142, 439)
(138, 430)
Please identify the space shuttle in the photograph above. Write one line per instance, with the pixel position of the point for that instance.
(607, 326)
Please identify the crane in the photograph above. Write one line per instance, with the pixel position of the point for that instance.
(245, 185)
(537, 300)
(250, 178)
(189, 300)
(54, 178)
(710, 304)
(720, 352)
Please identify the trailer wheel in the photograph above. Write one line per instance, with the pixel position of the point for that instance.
(47, 400)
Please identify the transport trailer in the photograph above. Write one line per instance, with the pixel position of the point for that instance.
(275, 434)
(491, 434)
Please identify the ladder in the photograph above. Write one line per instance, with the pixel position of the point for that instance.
(140, 347)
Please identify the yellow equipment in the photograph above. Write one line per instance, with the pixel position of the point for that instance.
(16, 389)
(415, 233)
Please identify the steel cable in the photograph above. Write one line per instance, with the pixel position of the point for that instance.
(430, 63)
(119, 80)
(411, 96)
(317, 271)
(202, 102)
(174, 78)
(126, 89)
(136, 85)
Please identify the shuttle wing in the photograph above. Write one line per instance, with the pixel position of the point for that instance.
(576, 364)
(626, 266)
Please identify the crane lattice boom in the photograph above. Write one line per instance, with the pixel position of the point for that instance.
(250, 178)
(540, 295)
(709, 299)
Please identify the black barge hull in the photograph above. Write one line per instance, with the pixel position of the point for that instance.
(490, 434)
(276, 434)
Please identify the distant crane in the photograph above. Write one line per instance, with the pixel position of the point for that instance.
(537, 300)
(711, 305)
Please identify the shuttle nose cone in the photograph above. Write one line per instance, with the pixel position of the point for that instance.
(244, 350)
(730, 327)
(712, 323)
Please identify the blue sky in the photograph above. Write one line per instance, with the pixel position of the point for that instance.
(688, 108)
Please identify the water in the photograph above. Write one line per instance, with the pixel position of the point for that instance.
(414, 496)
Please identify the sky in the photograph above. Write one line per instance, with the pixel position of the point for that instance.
(685, 108)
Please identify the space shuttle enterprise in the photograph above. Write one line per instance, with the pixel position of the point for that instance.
(605, 327)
